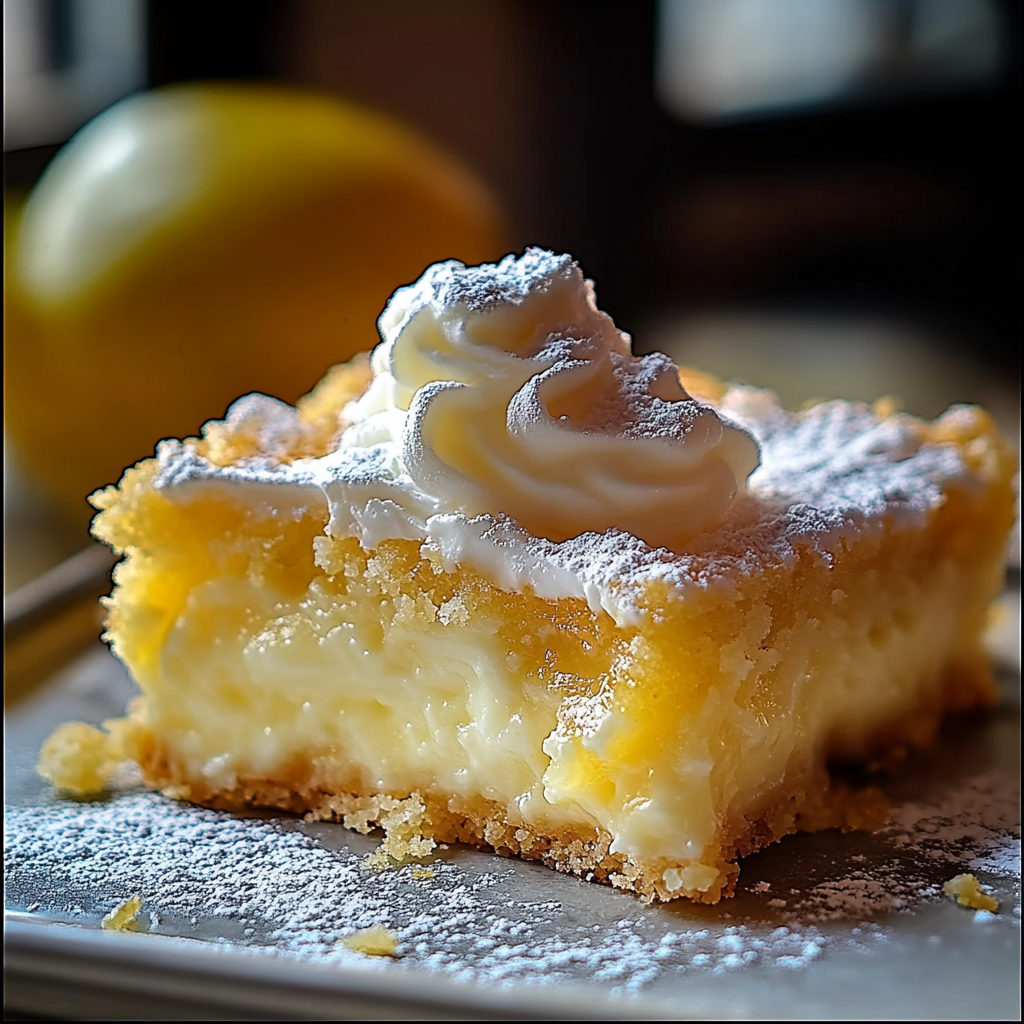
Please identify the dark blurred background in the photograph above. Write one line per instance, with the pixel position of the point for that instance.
(818, 197)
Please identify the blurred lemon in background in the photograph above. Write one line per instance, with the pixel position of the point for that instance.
(197, 243)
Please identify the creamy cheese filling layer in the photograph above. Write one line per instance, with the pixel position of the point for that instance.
(433, 700)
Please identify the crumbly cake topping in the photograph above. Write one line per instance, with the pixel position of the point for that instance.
(844, 457)
(824, 473)
(508, 426)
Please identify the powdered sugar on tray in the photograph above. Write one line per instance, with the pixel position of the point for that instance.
(291, 889)
(974, 826)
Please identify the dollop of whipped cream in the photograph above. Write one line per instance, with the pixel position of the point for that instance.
(502, 389)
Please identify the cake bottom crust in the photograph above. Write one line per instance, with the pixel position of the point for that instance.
(415, 823)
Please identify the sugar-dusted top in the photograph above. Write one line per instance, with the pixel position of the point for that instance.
(508, 426)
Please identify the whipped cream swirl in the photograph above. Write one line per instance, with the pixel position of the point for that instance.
(503, 389)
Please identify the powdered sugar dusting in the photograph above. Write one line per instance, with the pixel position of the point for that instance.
(508, 420)
(974, 826)
(826, 474)
(271, 884)
(297, 890)
(842, 456)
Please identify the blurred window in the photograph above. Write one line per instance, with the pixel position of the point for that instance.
(64, 61)
(747, 59)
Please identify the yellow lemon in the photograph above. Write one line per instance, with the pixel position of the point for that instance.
(200, 242)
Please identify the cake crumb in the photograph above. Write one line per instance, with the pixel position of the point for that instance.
(967, 891)
(403, 824)
(373, 941)
(78, 758)
(422, 873)
(125, 916)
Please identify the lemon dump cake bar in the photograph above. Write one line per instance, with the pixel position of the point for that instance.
(506, 583)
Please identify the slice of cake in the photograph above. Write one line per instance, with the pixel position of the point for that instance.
(508, 584)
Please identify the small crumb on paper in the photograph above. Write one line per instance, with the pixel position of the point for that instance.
(79, 759)
(373, 941)
(402, 821)
(125, 916)
(967, 891)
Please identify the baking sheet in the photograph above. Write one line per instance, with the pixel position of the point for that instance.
(244, 917)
